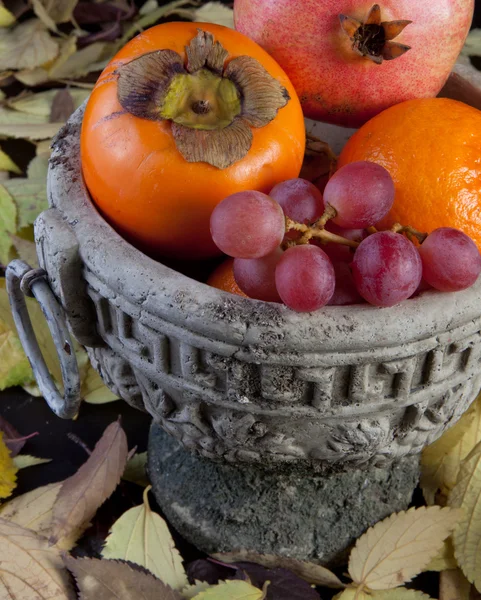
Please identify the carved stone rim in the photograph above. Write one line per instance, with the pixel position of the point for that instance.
(165, 293)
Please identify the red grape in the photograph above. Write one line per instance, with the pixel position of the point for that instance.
(256, 277)
(451, 260)
(247, 225)
(305, 278)
(345, 291)
(386, 268)
(300, 200)
(361, 192)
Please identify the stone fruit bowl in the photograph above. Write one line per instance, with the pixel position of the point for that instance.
(238, 379)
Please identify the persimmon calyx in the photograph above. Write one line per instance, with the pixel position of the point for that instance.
(372, 38)
(212, 106)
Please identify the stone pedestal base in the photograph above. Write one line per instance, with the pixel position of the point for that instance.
(222, 508)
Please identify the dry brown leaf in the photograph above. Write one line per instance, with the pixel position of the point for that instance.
(26, 46)
(115, 580)
(467, 534)
(63, 106)
(311, 572)
(399, 547)
(83, 493)
(34, 510)
(440, 461)
(453, 585)
(29, 568)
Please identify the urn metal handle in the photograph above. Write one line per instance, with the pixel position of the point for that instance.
(23, 281)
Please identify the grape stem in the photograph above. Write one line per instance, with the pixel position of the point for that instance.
(316, 231)
(410, 232)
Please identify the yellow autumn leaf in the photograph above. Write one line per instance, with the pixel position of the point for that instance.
(22, 461)
(399, 547)
(8, 471)
(193, 590)
(94, 390)
(33, 510)
(40, 104)
(6, 17)
(14, 366)
(440, 461)
(215, 12)
(8, 223)
(26, 46)
(142, 537)
(7, 164)
(400, 593)
(29, 568)
(231, 590)
(135, 470)
(40, 327)
(467, 534)
(444, 559)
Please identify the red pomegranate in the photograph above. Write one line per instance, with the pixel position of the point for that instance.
(348, 59)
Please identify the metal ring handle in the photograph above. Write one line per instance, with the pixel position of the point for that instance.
(21, 278)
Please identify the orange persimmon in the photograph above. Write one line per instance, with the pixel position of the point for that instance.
(183, 116)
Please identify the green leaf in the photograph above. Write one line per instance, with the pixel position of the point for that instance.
(7, 164)
(22, 461)
(135, 470)
(231, 590)
(6, 17)
(142, 537)
(8, 225)
(30, 196)
(14, 366)
(26, 46)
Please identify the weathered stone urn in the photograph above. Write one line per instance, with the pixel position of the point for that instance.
(273, 431)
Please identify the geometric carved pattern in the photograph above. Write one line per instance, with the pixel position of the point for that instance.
(370, 410)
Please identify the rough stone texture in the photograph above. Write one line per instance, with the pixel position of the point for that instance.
(222, 508)
(244, 381)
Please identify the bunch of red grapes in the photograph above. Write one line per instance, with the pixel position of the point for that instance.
(308, 249)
